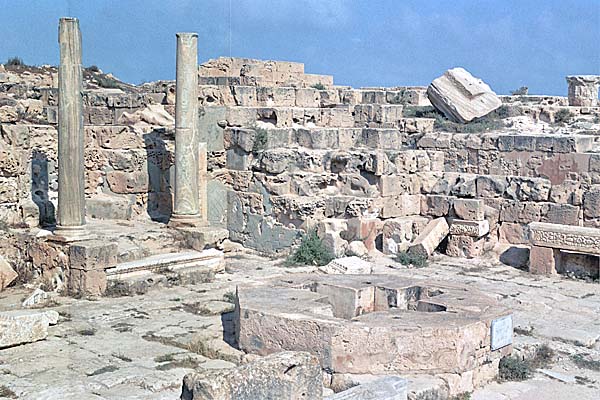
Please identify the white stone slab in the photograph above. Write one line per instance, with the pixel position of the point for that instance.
(348, 265)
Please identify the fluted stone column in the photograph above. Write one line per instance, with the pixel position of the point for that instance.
(186, 210)
(71, 186)
(583, 90)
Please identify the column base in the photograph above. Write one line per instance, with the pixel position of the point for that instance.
(67, 234)
(186, 221)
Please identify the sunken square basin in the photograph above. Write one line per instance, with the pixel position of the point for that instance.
(375, 324)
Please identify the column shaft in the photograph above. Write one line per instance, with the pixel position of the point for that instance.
(186, 210)
(71, 185)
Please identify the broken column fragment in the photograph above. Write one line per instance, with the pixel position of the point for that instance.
(461, 97)
(431, 237)
(284, 376)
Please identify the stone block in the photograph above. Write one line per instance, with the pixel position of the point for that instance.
(122, 182)
(565, 237)
(393, 185)
(348, 265)
(462, 97)
(108, 207)
(398, 233)
(475, 229)
(399, 206)
(307, 97)
(7, 274)
(564, 214)
(436, 206)
(282, 376)
(469, 209)
(542, 260)
(244, 96)
(91, 255)
(391, 139)
(464, 246)
(591, 203)
(363, 229)
(317, 138)
(430, 238)
(514, 233)
(386, 388)
(19, 327)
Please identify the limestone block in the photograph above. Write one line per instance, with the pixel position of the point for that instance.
(282, 376)
(491, 186)
(115, 137)
(103, 206)
(386, 388)
(276, 96)
(475, 229)
(591, 203)
(564, 214)
(86, 283)
(436, 206)
(528, 189)
(92, 255)
(542, 260)
(244, 96)
(514, 233)
(7, 274)
(317, 138)
(307, 97)
(357, 248)
(399, 205)
(393, 185)
(469, 209)
(461, 97)
(37, 297)
(339, 117)
(348, 265)
(329, 231)
(398, 233)
(19, 327)
(417, 125)
(124, 183)
(388, 139)
(363, 229)
(464, 246)
(430, 238)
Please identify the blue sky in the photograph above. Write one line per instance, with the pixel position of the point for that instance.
(508, 43)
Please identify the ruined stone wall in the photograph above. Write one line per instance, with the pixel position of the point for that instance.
(367, 165)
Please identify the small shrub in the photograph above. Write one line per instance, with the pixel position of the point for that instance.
(15, 61)
(562, 116)
(522, 91)
(87, 332)
(107, 82)
(93, 68)
(513, 368)
(319, 86)
(164, 358)
(5, 392)
(260, 140)
(462, 396)
(103, 370)
(583, 361)
(229, 297)
(312, 251)
(416, 260)
(543, 357)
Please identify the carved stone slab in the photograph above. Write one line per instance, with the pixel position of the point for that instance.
(566, 237)
(469, 228)
(501, 332)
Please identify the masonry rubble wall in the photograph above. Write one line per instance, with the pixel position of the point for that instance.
(283, 159)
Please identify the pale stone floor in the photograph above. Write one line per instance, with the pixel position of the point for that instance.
(138, 347)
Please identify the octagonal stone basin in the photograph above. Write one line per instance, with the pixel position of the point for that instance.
(371, 324)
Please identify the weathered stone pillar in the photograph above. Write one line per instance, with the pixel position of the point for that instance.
(203, 182)
(71, 186)
(583, 90)
(186, 210)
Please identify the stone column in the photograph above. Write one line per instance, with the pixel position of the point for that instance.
(583, 90)
(186, 210)
(203, 182)
(71, 186)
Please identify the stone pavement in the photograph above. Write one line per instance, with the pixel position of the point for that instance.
(140, 347)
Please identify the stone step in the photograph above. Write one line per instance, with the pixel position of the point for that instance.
(210, 260)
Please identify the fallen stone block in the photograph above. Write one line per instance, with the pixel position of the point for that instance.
(37, 297)
(387, 388)
(469, 209)
(464, 246)
(19, 327)
(348, 265)
(461, 97)
(281, 376)
(431, 237)
(7, 274)
(470, 228)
